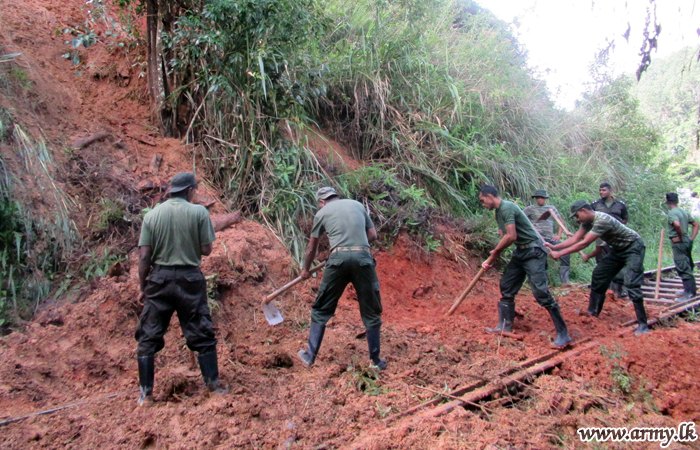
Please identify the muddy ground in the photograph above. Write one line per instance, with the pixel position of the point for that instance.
(80, 351)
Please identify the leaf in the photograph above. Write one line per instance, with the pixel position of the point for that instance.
(262, 72)
(76, 43)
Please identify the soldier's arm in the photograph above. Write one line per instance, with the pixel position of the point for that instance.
(624, 214)
(587, 240)
(145, 264)
(507, 239)
(695, 225)
(580, 233)
(371, 235)
(311, 248)
(677, 226)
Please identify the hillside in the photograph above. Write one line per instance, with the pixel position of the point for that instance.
(85, 156)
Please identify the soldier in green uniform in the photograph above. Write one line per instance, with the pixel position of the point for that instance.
(617, 209)
(529, 259)
(546, 228)
(174, 236)
(626, 252)
(682, 244)
(350, 231)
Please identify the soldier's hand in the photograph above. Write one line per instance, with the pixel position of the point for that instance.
(141, 297)
(585, 257)
(569, 233)
(486, 264)
(305, 274)
(555, 254)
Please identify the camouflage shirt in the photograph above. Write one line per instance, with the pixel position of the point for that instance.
(545, 227)
(682, 216)
(612, 232)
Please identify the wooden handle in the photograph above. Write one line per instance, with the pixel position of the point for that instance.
(563, 227)
(658, 267)
(467, 290)
(292, 283)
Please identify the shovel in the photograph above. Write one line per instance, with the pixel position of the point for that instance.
(272, 314)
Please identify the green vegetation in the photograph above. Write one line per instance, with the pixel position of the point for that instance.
(433, 97)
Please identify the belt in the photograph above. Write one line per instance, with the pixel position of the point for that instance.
(531, 245)
(185, 267)
(350, 249)
(676, 240)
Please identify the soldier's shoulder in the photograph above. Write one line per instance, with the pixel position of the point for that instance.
(596, 202)
(621, 201)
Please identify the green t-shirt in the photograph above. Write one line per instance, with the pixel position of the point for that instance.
(683, 217)
(545, 227)
(176, 230)
(345, 221)
(509, 213)
(611, 231)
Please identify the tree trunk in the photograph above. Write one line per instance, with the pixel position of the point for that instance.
(155, 76)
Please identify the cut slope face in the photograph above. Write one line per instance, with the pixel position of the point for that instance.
(85, 351)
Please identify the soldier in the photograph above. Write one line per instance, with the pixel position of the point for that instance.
(546, 228)
(626, 252)
(529, 259)
(350, 231)
(682, 244)
(174, 236)
(617, 209)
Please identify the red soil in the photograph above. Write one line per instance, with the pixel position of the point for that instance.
(82, 348)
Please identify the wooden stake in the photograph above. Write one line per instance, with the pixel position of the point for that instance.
(658, 267)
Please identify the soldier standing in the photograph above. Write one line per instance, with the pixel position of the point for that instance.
(529, 259)
(350, 231)
(174, 236)
(626, 253)
(546, 228)
(682, 244)
(617, 209)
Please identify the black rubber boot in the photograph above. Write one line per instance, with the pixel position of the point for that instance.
(564, 275)
(563, 339)
(642, 327)
(599, 306)
(594, 300)
(689, 291)
(146, 375)
(374, 344)
(506, 314)
(316, 332)
(209, 364)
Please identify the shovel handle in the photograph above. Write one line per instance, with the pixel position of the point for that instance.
(292, 283)
(466, 291)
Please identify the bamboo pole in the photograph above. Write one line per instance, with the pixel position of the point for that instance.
(658, 267)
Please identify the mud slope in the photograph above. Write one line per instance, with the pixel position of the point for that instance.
(81, 353)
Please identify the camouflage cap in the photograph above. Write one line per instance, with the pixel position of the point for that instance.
(577, 205)
(324, 193)
(540, 193)
(181, 181)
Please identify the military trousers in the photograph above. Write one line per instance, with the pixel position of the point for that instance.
(629, 262)
(342, 268)
(605, 251)
(181, 289)
(530, 263)
(683, 259)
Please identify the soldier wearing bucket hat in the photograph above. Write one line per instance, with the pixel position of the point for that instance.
(174, 236)
(546, 228)
(626, 253)
(350, 231)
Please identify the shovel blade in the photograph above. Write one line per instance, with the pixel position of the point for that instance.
(272, 314)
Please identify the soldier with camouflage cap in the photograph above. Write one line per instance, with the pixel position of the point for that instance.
(626, 253)
(546, 228)
(350, 231)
